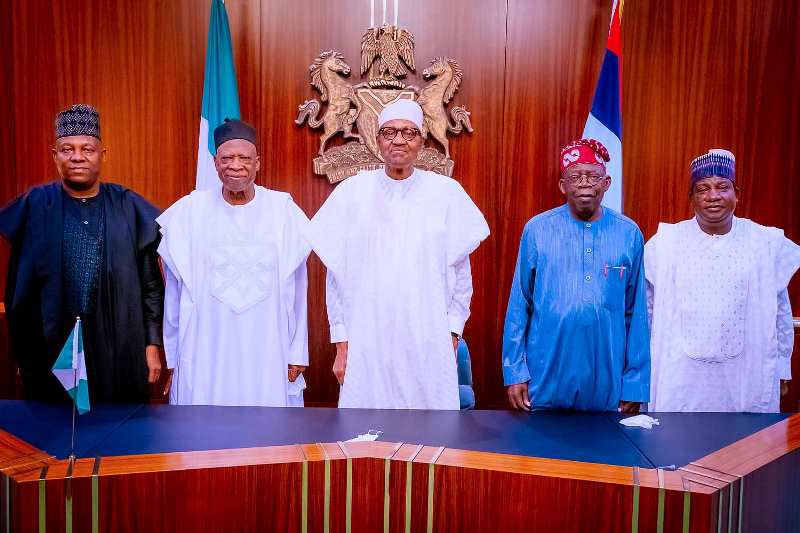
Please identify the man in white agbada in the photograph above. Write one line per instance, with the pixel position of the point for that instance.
(235, 266)
(396, 243)
(721, 320)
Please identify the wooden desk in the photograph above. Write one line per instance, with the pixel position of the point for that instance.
(753, 484)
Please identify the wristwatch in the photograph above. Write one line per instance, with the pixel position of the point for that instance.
(455, 335)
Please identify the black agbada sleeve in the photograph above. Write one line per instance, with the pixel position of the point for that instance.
(152, 295)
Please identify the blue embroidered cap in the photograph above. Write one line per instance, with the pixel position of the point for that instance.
(717, 162)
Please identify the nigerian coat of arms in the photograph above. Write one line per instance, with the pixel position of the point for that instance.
(387, 55)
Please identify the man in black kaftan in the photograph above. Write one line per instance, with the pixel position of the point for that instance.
(84, 248)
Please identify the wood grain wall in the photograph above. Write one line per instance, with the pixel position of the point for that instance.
(695, 75)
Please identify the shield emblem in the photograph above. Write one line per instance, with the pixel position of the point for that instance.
(353, 110)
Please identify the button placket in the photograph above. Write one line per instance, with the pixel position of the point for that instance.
(588, 261)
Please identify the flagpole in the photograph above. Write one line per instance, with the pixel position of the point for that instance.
(75, 392)
(71, 464)
(74, 408)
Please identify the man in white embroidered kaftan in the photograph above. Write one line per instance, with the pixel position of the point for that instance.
(396, 244)
(235, 329)
(721, 320)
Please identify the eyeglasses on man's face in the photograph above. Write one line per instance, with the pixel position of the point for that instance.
(592, 178)
(408, 134)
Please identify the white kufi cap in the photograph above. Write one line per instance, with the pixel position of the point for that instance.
(403, 109)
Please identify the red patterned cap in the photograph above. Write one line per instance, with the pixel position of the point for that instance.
(588, 151)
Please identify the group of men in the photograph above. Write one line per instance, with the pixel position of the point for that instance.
(698, 319)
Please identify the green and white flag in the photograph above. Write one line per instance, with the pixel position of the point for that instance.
(70, 369)
(220, 94)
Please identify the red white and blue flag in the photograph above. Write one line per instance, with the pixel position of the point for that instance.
(605, 119)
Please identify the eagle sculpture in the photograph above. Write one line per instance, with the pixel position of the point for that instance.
(392, 47)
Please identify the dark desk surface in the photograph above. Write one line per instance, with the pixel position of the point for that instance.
(590, 437)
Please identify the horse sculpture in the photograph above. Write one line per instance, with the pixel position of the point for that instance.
(328, 72)
(446, 77)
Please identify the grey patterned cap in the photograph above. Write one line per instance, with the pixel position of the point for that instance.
(80, 119)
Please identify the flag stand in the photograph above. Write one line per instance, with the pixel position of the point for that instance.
(71, 465)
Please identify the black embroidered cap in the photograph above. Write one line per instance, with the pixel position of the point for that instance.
(80, 119)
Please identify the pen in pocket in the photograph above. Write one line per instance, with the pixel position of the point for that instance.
(620, 268)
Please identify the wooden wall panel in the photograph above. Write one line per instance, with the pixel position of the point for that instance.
(696, 75)
(8, 182)
(139, 63)
(8, 189)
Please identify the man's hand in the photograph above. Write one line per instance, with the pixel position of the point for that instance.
(153, 356)
(455, 345)
(784, 387)
(518, 396)
(629, 407)
(340, 363)
(168, 384)
(295, 371)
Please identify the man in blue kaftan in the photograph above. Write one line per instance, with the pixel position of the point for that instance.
(576, 333)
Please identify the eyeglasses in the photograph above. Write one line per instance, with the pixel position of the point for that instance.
(591, 178)
(408, 134)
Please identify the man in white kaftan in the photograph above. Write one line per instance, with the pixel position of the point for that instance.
(721, 320)
(396, 244)
(235, 308)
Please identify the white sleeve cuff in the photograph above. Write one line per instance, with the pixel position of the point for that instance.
(338, 333)
(457, 324)
(170, 347)
(299, 359)
(785, 367)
